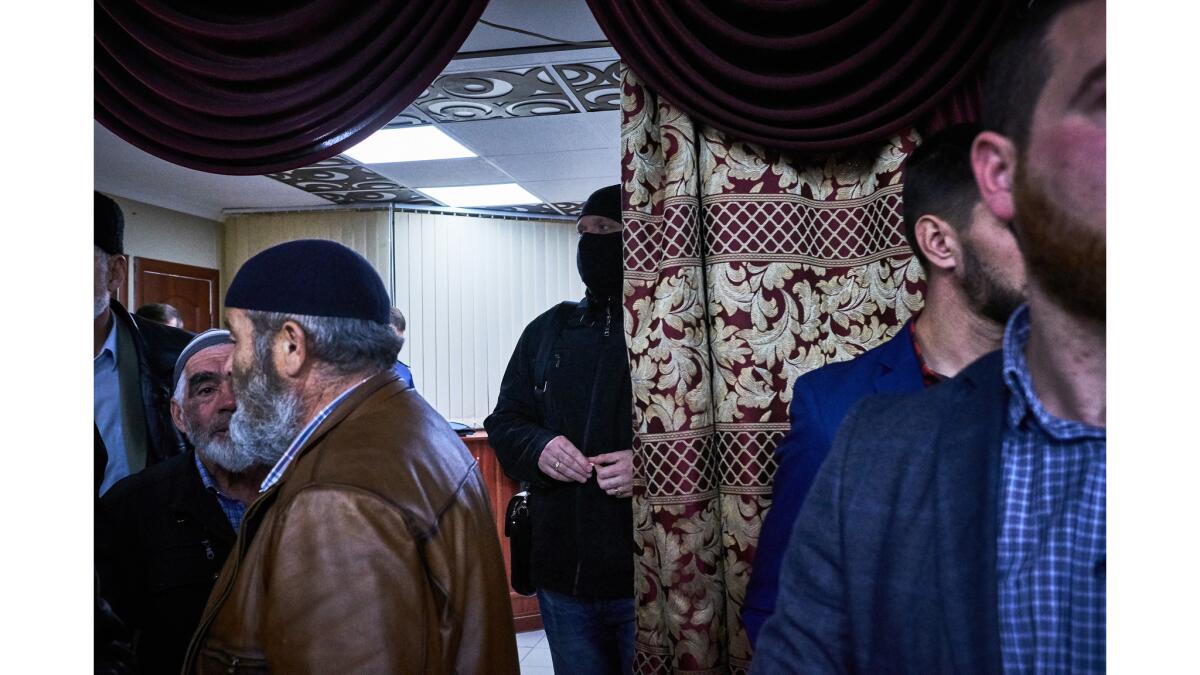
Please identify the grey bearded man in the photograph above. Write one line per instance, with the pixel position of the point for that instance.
(372, 547)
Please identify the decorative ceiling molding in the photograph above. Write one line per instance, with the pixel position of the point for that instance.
(569, 208)
(517, 92)
(597, 84)
(494, 94)
(539, 209)
(341, 180)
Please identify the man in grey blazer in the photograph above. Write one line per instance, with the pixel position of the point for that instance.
(962, 529)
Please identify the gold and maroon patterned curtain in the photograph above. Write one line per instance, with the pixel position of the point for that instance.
(744, 268)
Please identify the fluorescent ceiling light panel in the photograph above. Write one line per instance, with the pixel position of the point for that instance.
(466, 196)
(408, 144)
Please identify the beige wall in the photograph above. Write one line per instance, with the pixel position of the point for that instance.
(368, 232)
(163, 234)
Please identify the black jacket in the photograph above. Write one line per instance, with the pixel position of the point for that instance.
(161, 540)
(158, 346)
(582, 537)
(892, 565)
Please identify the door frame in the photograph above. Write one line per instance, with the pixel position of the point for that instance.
(142, 265)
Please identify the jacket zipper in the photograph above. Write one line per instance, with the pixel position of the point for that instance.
(587, 432)
(194, 644)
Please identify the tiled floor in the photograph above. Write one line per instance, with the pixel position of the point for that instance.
(534, 653)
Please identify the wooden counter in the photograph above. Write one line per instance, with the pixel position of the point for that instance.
(500, 489)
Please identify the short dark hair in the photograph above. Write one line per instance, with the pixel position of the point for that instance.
(159, 312)
(1017, 70)
(938, 181)
(398, 320)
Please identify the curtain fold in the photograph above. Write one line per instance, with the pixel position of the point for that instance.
(745, 267)
(798, 75)
(255, 88)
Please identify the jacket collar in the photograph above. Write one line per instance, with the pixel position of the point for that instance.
(591, 306)
(353, 401)
(154, 391)
(967, 485)
(897, 363)
(194, 500)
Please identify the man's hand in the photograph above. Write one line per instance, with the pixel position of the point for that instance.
(614, 472)
(561, 460)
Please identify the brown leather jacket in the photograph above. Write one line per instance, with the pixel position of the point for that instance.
(376, 553)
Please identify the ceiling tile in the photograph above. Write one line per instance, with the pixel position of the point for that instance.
(556, 133)
(443, 172)
(573, 190)
(561, 19)
(602, 163)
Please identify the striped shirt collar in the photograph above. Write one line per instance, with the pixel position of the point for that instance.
(281, 466)
(232, 508)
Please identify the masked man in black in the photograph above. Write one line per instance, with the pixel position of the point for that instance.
(563, 425)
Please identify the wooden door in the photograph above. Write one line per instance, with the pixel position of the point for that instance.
(526, 616)
(189, 289)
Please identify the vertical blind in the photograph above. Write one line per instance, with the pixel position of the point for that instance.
(468, 285)
(367, 232)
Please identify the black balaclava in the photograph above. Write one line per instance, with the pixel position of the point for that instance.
(599, 256)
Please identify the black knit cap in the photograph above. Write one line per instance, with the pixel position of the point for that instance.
(109, 232)
(604, 202)
(314, 277)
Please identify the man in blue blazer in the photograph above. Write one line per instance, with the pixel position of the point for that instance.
(975, 276)
(961, 529)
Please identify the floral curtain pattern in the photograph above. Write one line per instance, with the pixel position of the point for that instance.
(744, 268)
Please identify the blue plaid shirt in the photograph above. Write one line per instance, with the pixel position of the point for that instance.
(234, 510)
(286, 460)
(1051, 549)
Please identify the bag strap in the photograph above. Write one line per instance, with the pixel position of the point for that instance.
(550, 333)
(541, 362)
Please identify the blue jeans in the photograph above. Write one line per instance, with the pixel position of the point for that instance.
(588, 635)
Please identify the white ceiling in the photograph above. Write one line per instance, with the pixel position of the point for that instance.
(558, 158)
(123, 170)
(569, 20)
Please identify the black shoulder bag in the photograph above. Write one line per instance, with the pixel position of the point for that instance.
(518, 526)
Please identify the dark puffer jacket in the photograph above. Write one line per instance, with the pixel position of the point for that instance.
(582, 537)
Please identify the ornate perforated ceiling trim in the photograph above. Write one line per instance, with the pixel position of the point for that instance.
(341, 180)
(554, 89)
(517, 92)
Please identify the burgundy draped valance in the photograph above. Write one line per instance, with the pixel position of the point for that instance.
(803, 75)
(252, 88)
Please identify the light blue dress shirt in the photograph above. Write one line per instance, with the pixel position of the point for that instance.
(106, 403)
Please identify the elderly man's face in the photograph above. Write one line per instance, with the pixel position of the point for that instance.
(208, 400)
(108, 272)
(207, 404)
(1059, 191)
(268, 414)
(241, 358)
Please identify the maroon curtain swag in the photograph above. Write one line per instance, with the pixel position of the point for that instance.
(803, 75)
(253, 88)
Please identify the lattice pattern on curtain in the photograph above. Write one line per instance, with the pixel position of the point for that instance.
(745, 268)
